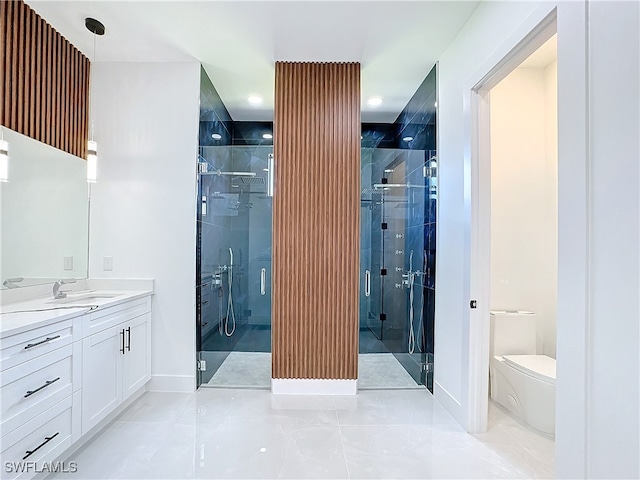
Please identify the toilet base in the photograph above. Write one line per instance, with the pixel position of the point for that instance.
(527, 397)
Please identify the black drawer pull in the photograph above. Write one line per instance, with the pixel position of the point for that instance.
(128, 339)
(48, 339)
(122, 348)
(46, 384)
(46, 440)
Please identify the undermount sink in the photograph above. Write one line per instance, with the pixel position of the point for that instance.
(84, 299)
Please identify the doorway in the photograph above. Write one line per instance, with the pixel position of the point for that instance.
(524, 242)
(486, 288)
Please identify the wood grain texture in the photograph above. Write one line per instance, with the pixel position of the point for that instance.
(44, 84)
(316, 221)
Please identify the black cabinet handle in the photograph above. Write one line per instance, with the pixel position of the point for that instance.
(122, 348)
(46, 440)
(128, 339)
(48, 339)
(46, 384)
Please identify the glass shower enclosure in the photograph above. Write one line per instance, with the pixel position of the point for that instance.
(398, 202)
(233, 292)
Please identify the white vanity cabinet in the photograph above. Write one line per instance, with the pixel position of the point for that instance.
(116, 358)
(40, 383)
(64, 374)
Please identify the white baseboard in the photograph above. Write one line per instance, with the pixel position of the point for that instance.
(450, 403)
(313, 386)
(172, 383)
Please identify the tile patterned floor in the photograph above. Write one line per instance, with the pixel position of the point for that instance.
(243, 369)
(251, 434)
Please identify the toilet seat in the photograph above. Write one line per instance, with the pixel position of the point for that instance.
(540, 367)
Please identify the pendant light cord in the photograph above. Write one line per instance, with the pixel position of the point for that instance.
(91, 95)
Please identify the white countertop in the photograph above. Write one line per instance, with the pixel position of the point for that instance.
(22, 316)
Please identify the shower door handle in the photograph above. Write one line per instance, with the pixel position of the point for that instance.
(263, 281)
(367, 283)
(270, 175)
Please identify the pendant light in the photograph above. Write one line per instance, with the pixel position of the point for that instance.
(96, 28)
(4, 158)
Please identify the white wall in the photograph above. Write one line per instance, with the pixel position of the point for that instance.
(549, 318)
(597, 403)
(524, 206)
(143, 206)
(614, 323)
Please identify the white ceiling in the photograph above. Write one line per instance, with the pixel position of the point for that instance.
(238, 41)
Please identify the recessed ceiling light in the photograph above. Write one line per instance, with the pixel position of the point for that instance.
(388, 170)
(435, 104)
(216, 136)
(407, 139)
(267, 136)
(374, 101)
(254, 99)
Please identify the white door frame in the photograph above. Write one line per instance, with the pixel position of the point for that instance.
(480, 195)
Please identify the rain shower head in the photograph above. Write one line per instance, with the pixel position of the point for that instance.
(249, 180)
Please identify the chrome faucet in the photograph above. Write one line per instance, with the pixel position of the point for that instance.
(57, 293)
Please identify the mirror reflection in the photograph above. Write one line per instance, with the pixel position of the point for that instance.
(45, 214)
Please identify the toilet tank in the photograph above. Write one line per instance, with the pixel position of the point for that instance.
(513, 332)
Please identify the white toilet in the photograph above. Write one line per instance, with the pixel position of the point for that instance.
(520, 380)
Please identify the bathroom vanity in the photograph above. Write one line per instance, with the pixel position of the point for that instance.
(66, 365)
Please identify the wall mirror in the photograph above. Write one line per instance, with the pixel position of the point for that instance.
(45, 214)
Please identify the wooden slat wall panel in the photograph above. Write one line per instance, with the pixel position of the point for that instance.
(316, 221)
(44, 87)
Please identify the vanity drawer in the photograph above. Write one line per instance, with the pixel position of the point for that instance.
(29, 389)
(41, 440)
(108, 317)
(28, 345)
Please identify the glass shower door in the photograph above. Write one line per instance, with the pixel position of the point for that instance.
(394, 259)
(371, 258)
(234, 266)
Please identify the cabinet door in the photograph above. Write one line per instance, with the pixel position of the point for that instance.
(136, 370)
(101, 375)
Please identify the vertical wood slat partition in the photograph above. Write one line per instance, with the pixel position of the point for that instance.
(44, 82)
(316, 221)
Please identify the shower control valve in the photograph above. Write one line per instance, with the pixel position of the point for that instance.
(399, 252)
(398, 285)
(398, 269)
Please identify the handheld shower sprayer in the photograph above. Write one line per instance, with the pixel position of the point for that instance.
(231, 316)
